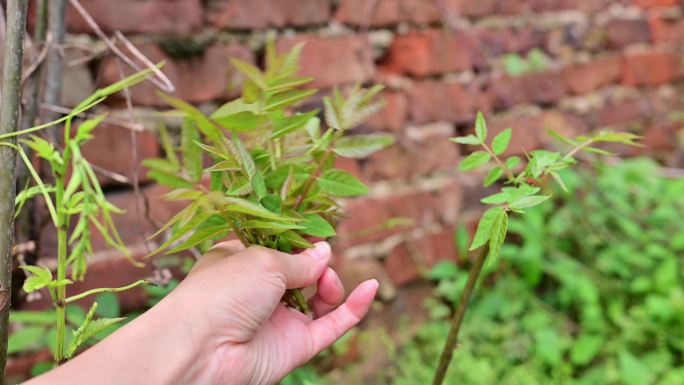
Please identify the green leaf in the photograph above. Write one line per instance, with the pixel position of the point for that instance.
(239, 205)
(632, 370)
(45, 317)
(249, 70)
(484, 227)
(296, 240)
(161, 165)
(512, 162)
(444, 270)
(85, 129)
(500, 142)
(40, 278)
(284, 126)
(286, 99)
(201, 235)
(170, 180)
(108, 305)
(89, 328)
(361, 146)
(316, 226)
(341, 183)
(528, 201)
(203, 123)
(474, 160)
(498, 235)
(239, 122)
(192, 154)
(26, 338)
(481, 127)
(469, 139)
(585, 348)
(494, 174)
(259, 186)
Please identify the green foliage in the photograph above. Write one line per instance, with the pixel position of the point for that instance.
(76, 203)
(88, 329)
(521, 192)
(592, 292)
(271, 176)
(535, 61)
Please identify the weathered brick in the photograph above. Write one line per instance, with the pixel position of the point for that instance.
(490, 42)
(199, 78)
(429, 52)
(368, 218)
(135, 16)
(622, 113)
(650, 68)
(538, 87)
(433, 101)
(664, 29)
(582, 78)
(393, 117)
(527, 130)
(112, 149)
(333, 60)
(423, 150)
(656, 3)
(408, 261)
(623, 32)
(386, 12)
(258, 14)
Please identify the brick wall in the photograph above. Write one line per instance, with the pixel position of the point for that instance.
(611, 63)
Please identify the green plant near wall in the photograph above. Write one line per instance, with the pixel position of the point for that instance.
(522, 191)
(76, 203)
(591, 290)
(271, 175)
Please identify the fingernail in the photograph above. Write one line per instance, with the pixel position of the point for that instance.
(321, 250)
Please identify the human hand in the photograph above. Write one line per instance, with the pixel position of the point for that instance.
(225, 324)
(245, 334)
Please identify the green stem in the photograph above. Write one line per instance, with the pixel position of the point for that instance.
(77, 297)
(498, 161)
(457, 320)
(62, 243)
(319, 166)
(61, 293)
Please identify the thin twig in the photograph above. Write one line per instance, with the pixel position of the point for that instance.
(54, 66)
(117, 122)
(161, 81)
(457, 320)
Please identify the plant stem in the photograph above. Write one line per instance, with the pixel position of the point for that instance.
(61, 292)
(9, 122)
(319, 166)
(77, 297)
(498, 161)
(62, 243)
(457, 320)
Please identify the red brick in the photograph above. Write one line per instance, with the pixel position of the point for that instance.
(258, 14)
(333, 60)
(432, 101)
(539, 87)
(202, 78)
(112, 149)
(386, 12)
(425, 53)
(491, 42)
(582, 78)
(425, 150)
(623, 113)
(394, 115)
(660, 140)
(666, 30)
(656, 3)
(650, 68)
(623, 32)
(406, 262)
(528, 131)
(135, 16)
(368, 218)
